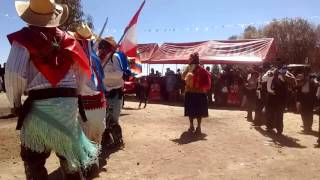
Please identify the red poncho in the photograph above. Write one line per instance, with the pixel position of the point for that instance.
(201, 79)
(52, 51)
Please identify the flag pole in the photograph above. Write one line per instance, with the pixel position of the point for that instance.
(95, 46)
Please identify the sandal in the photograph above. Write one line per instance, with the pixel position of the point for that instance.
(191, 129)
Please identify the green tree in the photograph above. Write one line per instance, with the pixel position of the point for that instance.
(233, 37)
(295, 39)
(250, 32)
(76, 15)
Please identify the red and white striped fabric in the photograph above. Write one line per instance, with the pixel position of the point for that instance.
(129, 42)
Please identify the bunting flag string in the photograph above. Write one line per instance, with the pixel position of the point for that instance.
(193, 28)
(313, 19)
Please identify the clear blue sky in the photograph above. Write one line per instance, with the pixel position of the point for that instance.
(192, 20)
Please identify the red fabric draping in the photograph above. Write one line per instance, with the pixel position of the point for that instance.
(146, 51)
(216, 52)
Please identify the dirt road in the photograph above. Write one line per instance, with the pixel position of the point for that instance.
(157, 147)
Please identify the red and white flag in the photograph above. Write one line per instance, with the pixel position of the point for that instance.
(129, 42)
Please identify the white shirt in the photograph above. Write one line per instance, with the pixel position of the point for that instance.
(113, 74)
(267, 77)
(21, 76)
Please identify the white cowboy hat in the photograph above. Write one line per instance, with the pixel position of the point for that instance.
(83, 32)
(43, 13)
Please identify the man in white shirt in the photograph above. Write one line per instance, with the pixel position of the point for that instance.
(116, 69)
(49, 66)
(276, 98)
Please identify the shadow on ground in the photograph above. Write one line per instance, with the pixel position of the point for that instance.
(189, 137)
(9, 116)
(280, 140)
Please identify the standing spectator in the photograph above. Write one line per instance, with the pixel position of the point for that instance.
(143, 91)
(306, 99)
(179, 84)
(277, 91)
(233, 97)
(215, 85)
(261, 99)
(198, 83)
(250, 93)
(210, 91)
(152, 74)
(158, 74)
(171, 84)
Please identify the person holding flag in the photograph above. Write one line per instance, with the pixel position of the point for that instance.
(116, 69)
(114, 57)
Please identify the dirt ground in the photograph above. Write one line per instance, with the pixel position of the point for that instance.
(157, 147)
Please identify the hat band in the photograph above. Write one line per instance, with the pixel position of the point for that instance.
(88, 37)
(41, 13)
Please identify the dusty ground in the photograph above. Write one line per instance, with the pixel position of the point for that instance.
(158, 148)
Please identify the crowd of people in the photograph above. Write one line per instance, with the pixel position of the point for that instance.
(268, 90)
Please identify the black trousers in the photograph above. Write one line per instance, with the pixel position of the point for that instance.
(34, 164)
(275, 110)
(307, 116)
(258, 114)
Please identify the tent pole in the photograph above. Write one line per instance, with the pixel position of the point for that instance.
(162, 69)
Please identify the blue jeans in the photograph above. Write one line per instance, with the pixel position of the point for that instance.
(115, 104)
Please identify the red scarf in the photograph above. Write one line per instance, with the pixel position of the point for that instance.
(52, 51)
(201, 79)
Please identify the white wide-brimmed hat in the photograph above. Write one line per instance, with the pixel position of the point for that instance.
(43, 13)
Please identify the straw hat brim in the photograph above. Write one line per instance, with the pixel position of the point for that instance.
(55, 19)
(75, 35)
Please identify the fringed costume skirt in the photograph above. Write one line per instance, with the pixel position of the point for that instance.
(52, 125)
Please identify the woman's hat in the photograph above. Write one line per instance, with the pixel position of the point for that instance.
(194, 58)
(83, 32)
(42, 13)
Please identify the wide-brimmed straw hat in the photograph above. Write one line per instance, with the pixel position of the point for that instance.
(43, 13)
(83, 31)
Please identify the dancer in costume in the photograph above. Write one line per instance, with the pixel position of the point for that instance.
(116, 69)
(198, 82)
(49, 65)
(92, 95)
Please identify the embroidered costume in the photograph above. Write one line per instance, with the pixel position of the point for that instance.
(49, 66)
(93, 94)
